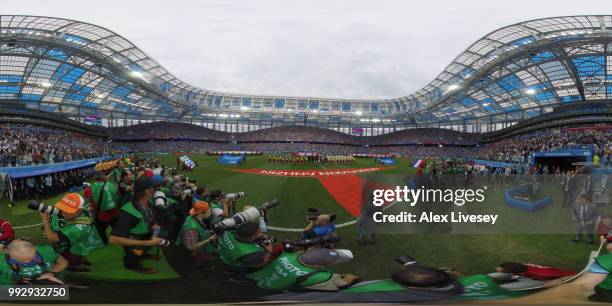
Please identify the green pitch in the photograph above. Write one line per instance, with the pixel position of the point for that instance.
(467, 253)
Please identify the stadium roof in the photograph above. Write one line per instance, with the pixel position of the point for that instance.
(515, 72)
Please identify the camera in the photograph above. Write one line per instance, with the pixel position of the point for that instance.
(233, 196)
(188, 192)
(159, 199)
(248, 215)
(314, 213)
(324, 242)
(405, 260)
(266, 241)
(43, 208)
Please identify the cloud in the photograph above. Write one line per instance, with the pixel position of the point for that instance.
(323, 48)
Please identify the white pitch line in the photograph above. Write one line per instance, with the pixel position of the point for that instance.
(26, 226)
(284, 229)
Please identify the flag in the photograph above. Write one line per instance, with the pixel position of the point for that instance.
(419, 163)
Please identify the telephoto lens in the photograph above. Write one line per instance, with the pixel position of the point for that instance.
(47, 209)
(235, 195)
(270, 204)
(159, 198)
(405, 260)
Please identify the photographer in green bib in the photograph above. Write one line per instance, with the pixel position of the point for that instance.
(136, 229)
(220, 205)
(125, 187)
(104, 203)
(27, 264)
(413, 283)
(75, 235)
(116, 174)
(245, 249)
(197, 235)
(305, 271)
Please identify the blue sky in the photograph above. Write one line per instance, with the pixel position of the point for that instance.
(322, 48)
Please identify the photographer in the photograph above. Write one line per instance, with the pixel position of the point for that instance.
(26, 264)
(75, 235)
(117, 174)
(135, 228)
(125, 187)
(319, 226)
(195, 233)
(246, 248)
(295, 271)
(201, 193)
(219, 204)
(7, 234)
(103, 201)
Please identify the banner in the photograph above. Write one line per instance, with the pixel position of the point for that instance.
(27, 171)
(187, 162)
(227, 159)
(386, 161)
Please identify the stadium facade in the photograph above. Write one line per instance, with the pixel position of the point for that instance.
(522, 71)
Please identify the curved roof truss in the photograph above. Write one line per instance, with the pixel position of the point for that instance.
(62, 65)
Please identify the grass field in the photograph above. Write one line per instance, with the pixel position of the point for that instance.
(467, 253)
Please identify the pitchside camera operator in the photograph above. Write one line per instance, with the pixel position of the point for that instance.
(136, 229)
(75, 233)
(319, 224)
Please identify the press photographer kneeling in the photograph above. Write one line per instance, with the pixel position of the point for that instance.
(136, 229)
(242, 245)
(195, 234)
(293, 270)
(248, 252)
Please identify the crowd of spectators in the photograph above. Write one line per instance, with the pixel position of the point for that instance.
(44, 186)
(309, 134)
(24, 145)
(518, 148)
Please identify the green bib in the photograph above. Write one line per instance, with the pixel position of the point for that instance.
(215, 205)
(231, 250)
(476, 287)
(383, 285)
(482, 287)
(142, 228)
(192, 224)
(83, 236)
(109, 198)
(283, 273)
(605, 261)
(8, 275)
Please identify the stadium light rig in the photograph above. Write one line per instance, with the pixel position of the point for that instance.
(530, 91)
